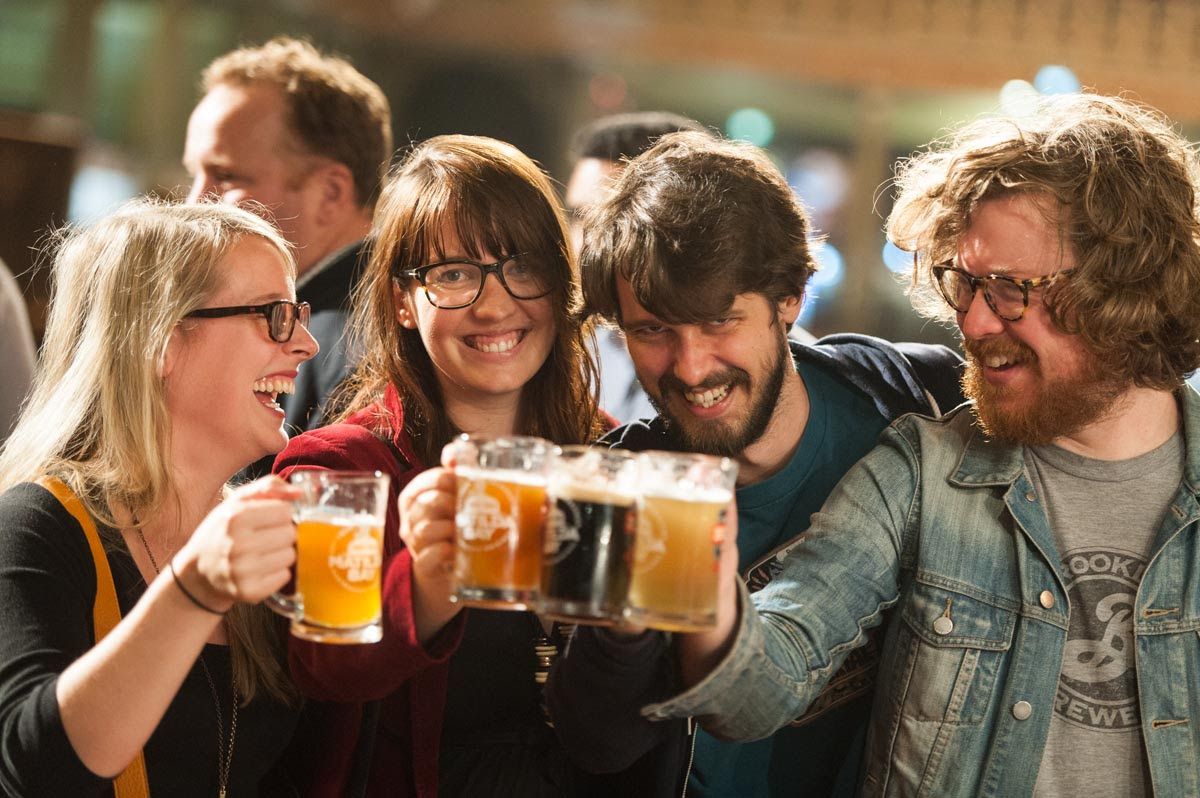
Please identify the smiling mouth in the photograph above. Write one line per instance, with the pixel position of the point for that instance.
(709, 397)
(267, 390)
(495, 344)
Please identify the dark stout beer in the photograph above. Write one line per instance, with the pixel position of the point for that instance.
(589, 547)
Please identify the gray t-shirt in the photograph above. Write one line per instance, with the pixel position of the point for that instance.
(1104, 516)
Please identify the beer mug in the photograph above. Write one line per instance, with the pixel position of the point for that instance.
(339, 556)
(589, 536)
(680, 508)
(499, 519)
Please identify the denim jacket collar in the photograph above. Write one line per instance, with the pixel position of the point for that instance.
(985, 462)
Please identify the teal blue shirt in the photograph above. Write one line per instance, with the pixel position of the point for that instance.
(843, 425)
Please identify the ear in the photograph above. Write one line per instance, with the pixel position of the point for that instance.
(789, 309)
(333, 185)
(171, 353)
(402, 300)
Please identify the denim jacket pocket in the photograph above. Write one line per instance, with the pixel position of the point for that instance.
(950, 651)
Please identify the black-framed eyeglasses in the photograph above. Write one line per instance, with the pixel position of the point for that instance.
(1008, 297)
(281, 316)
(457, 283)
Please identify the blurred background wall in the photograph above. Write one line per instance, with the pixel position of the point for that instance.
(95, 94)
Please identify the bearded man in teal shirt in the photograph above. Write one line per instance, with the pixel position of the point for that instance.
(700, 255)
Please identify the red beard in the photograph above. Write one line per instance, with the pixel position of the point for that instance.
(1060, 404)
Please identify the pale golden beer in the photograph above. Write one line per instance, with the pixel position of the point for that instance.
(339, 557)
(500, 519)
(677, 551)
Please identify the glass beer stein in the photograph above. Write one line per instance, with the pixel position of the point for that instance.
(680, 508)
(339, 557)
(500, 519)
(590, 534)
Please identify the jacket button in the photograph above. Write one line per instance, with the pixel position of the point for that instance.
(1047, 599)
(1022, 710)
(1030, 496)
(943, 625)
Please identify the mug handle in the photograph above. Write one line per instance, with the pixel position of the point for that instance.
(289, 605)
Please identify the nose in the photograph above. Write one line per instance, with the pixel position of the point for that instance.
(979, 321)
(493, 301)
(302, 345)
(201, 187)
(693, 357)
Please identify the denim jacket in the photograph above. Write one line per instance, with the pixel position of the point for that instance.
(939, 534)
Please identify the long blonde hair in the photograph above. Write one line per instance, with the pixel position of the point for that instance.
(97, 416)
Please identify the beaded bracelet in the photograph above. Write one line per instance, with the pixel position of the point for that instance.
(186, 592)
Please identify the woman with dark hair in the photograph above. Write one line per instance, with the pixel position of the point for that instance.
(467, 318)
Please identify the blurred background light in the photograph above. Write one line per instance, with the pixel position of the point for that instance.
(831, 267)
(1019, 98)
(820, 178)
(1056, 79)
(752, 125)
(897, 260)
(97, 190)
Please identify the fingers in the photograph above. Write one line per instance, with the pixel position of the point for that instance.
(427, 507)
(269, 487)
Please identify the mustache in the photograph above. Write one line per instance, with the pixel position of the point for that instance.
(983, 348)
(729, 376)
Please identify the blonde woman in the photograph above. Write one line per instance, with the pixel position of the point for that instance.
(172, 330)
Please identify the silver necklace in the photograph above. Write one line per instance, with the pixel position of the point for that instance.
(224, 753)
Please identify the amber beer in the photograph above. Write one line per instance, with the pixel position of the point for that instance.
(589, 536)
(339, 557)
(500, 519)
(338, 561)
(680, 511)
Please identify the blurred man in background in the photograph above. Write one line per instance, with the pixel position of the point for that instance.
(307, 137)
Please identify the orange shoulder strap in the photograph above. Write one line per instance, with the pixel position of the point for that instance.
(106, 613)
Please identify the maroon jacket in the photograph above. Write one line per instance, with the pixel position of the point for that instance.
(408, 677)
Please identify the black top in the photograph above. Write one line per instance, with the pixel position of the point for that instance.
(47, 590)
(495, 740)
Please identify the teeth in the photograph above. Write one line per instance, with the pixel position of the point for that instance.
(501, 345)
(275, 386)
(995, 361)
(707, 398)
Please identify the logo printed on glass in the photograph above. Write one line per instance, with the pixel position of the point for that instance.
(563, 529)
(487, 517)
(355, 558)
(651, 542)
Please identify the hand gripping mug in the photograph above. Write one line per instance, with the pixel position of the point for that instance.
(680, 508)
(589, 536)
(339, 557)
(499, 520)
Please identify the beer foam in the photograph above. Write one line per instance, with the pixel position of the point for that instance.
(336, 516)
(525, 478)
(689, 493)
(590, 493)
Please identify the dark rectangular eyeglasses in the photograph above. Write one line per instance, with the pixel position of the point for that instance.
(281, 316)
(457, 283)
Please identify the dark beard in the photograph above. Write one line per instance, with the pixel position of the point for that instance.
(1059, 407)
(716, 438)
